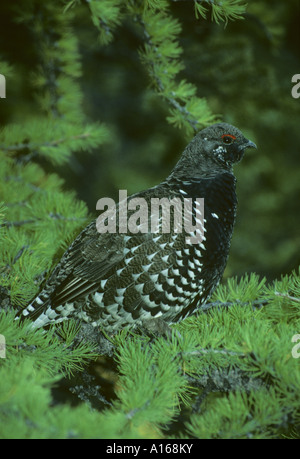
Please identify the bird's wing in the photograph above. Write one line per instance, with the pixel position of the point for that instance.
(95, 256)
(90, 257)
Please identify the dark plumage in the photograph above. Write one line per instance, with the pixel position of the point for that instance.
(122, 279)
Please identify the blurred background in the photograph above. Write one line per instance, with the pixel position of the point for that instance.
(244, 70)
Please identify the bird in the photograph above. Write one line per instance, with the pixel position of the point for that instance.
(120, 279)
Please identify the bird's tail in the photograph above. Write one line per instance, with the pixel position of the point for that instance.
(39, 311)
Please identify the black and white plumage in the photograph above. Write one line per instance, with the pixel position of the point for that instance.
(122, 279)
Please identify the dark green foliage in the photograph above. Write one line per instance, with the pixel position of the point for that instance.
(80, 114)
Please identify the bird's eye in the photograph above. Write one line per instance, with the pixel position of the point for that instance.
(228, 138)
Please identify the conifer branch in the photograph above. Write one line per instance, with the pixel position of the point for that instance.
(224, 379)
(130, 415)
(172, 101)
(289, 297)
(227, 304)
(202, 351)
(106, 16)
(31, 221)
(224, 10)
(19, 254)
(52, 143)
(18, 223)
(161, 87)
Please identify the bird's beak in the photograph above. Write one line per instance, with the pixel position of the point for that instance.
(248, 144)
(242, 148)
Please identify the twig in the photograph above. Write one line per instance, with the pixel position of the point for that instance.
(51, 215)
(222, 380)
(18, 223)
(212, 351)
(226, 304)
(285, 295)
(53, 143)
(225, 379)
(19, 254)
(133, 412)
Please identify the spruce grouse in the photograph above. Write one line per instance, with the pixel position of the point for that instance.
(118, 279)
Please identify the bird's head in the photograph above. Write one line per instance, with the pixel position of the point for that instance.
(213, 150)
(223, 144)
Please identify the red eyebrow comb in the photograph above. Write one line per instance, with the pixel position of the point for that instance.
(228, 135)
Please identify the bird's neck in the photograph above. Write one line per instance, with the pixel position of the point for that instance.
(189, 169)
(200, 182)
